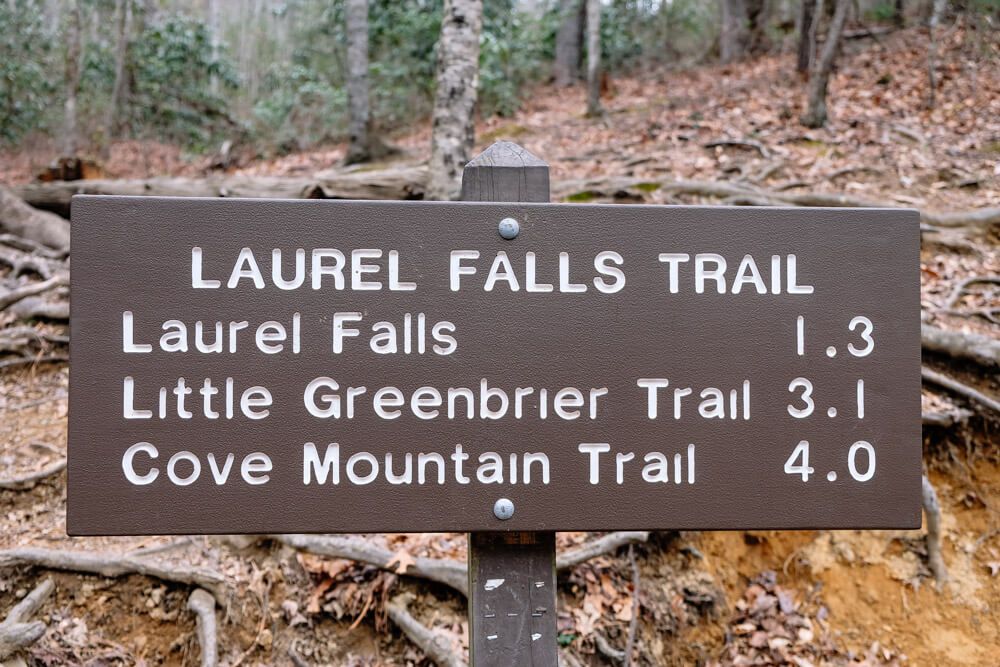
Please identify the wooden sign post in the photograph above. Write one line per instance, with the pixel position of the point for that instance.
(512, 576)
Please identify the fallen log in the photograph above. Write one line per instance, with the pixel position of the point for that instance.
(408, 182)
(20, 219)
(746, 194)
(404, 182)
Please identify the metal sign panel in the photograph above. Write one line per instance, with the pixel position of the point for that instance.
(244, 366)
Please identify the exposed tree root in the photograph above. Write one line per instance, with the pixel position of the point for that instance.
(33, 247)
(751, 145)
(960, 388)
(36, 308)
(633, 623)
(452, 573)
(20, 219)
(202, 604)
(13, 339)
(449, 572)
(435, 646)
(598, 547)
(113, 565)
(22, 361)
(29, 481)
(13, 296)
(980, 217)
(981, 349)
(989, 314)
(945, 419)
(605, 648)
(932, 510)
(17, 632)
(21, 262)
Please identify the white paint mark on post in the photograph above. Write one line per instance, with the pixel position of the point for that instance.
(493, 584)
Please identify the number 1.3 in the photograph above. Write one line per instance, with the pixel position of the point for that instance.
(859, 321)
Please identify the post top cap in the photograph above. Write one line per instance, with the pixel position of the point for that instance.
(506, 154)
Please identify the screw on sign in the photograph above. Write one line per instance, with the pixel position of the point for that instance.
(500, 366)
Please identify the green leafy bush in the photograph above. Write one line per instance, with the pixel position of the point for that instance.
(172, 96)
(26, 70)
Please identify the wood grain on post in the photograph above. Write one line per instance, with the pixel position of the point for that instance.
(512, 575)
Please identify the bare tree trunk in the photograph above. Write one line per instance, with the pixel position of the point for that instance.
(213, 30)
(734, 36)
(819, 78)
(453, 128)
(360, 144)
(937, 11)
(123, 15)
(899, 14)
(567, 62)
(72, 79)
(593, 57)
(807, 45)
(758, 14)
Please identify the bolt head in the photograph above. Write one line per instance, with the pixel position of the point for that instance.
(503, 509)
(509, 228)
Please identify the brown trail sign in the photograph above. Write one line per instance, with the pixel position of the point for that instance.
(270, 366)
